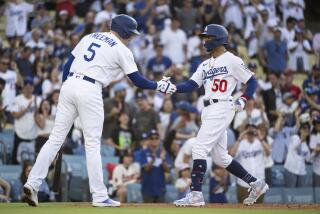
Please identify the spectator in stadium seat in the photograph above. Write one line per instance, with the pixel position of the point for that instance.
(310, 99)
(218, 185)
(272, 98)
(174, 41)
(288, 33)
(250, 152)
(298, 153)
(251, 115)
(315, 148)
(123, 174)
(25, 67)
(6, 189)
(287, 84)
(155, 162)
(274, 53)
(157, 65)
(184, 125)
(11, 77)
(43, 193)
(301, 26)
(139, 146)
(51, 83)
(184, 181)
(299, 50)
(122, 137)
(145, 118)
(211, 12)
(233, 13)
(166, 115)
(188, 16)
(45, 122)
(16, 13)
(313, 79)
(42, 16)
(23, 110)
(113, 106)
(178, 76)
(106, 14)
(160, 13)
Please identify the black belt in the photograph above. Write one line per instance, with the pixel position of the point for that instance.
(86, 78)
(207, 102)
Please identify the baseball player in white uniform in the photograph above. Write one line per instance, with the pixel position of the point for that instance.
(219, 76)
(95, 62)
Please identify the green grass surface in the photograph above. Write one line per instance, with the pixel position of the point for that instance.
(81, 208)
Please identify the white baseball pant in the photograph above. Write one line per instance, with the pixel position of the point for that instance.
(84, 99)
(212, 136)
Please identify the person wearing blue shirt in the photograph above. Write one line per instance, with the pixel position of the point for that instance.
(275, 54)
(313, 79)
(160, 63)
(155, 162)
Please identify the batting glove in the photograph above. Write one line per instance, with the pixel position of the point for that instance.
(165, 86)
(239, 104)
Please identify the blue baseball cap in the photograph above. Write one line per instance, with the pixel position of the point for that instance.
(141, 95)
(153, 132)
(28, 81)
(119, 87)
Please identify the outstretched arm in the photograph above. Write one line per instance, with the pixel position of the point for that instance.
(187, 86)
(141, 82)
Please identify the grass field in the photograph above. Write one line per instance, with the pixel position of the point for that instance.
(85, 208)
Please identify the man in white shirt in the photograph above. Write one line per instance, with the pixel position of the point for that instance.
(174, 41)
(105, 15)
(36, 41)
(315, 148)
(9, 92)
(124, 174)
(288, 33)
(16, 13)
(250, 152)
(23, 110)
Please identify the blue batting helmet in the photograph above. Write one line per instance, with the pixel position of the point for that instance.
(219, 36)
(125, 26)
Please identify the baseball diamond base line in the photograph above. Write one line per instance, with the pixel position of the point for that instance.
(85, 208)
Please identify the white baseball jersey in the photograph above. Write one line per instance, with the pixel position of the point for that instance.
(17, 15)
(314, 143)
(103, 57)
(9, 92)
(220, 75)
(251, 157)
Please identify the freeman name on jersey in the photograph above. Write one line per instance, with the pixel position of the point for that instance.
(214, 72)
(104, 38)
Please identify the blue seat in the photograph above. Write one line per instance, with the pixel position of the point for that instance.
(298, 195)
(74, 167)
(231, 195)
(106, 160)
(134, 193)
(205, 192)
(107, 150)
(171, 193)
(317, 195)
(274, 196)
(10, 173)
(278, 176)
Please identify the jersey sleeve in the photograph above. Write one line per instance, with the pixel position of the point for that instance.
(240, 71)
(127, 63)
(197, 76)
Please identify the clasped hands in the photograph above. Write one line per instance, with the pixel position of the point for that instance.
(166, 86)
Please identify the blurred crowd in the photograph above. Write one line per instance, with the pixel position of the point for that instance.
(151, 133)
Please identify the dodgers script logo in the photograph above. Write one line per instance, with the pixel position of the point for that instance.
(214, 72)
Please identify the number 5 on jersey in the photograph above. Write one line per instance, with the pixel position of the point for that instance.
(91, 49)
(219, 85)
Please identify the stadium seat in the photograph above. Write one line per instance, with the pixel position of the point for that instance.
(107, 150)
(171, 193)
(26, 152)
(134, 193)
(278, 176)
(274, 196)
(205, 191)
(106, 160)
(298, 195)
(317, 195)
(231, 195)
(309, 176)
(10, 173)
(74, 166)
